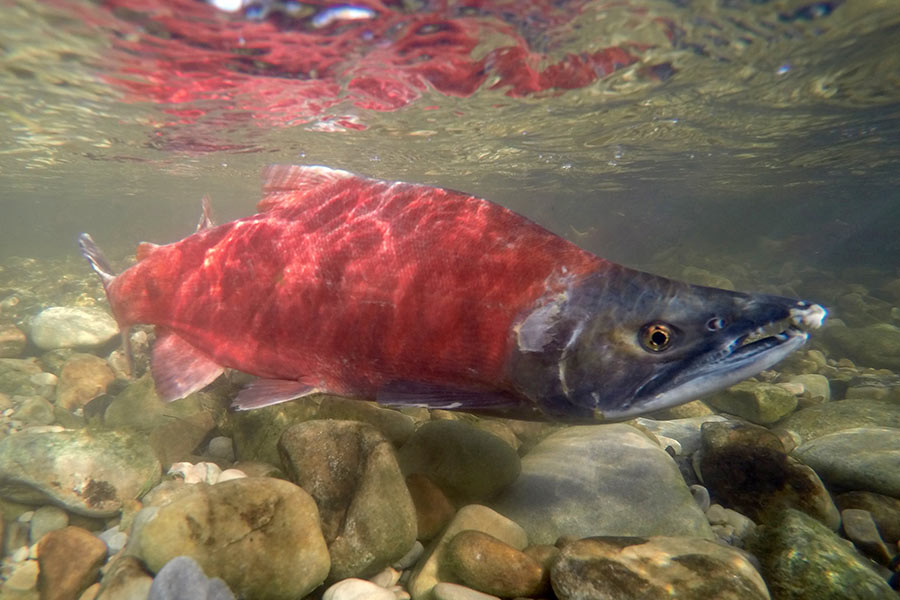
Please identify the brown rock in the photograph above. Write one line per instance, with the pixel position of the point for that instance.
(124, 578)
(83, 378)
(12, 341)
(70, 559)
(433, 509)
(484, 563)
(884, 509)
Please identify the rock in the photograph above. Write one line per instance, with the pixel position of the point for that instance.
(83, 378)
(12, 341)
(386, 578)
(183, 578)
(686, 431)
(701, 496)
(488, 565)
(689, 410)
(70, 559)
(432, 569)
(357, 589)
(202, 472)
(91, 473)
(349, 468)
(621, 484)
(175, 429)
(884, 510)
(256, 432)
(410, 558)
(816, 421)
(34, 410)
(864, 458)
(125, 579)
(260, 535)
(18, 378)
(23, 579)
(860, 528)
(221, 448)
(72, 327)
(760, 403)
(114, 538)
(433, 509)
(730, 526)
(745, 467)
(621, 568)
(873, 346)
(452, 591)
(816, 385)
(45, 520)
(467, 463)
(796, 552)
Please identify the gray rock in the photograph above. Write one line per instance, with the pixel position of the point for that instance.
(222, 448)
(183, 578)
(701, 496)
(860, 528)
(796, 551)
(873, 346)
(864, 458)
(817, 386)
(620, 568)
(816, 421)
(114, 538)
(45, 520)
(745, 466)
(89, 473)
(621, 484)
(433, 569)
(884, 509)
(730, 526)
(466, 462)
(260, 535)
(686, 431)
(349, 468)
(72, 327)
(17, 378)
(34, 410)
(357, 589)
(760, 403)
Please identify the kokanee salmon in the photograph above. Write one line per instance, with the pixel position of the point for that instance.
(415, 295)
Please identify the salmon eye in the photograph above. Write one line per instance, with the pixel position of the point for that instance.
(656, 337)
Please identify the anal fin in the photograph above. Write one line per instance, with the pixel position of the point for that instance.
(178, 368)
(266, 392)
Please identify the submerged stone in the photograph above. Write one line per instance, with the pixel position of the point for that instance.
(72, 327)
(349, 468)
(260, 535)
(760, 403)
(601, 480)
(816, 421)
(628, 568)
(92, 473)
(864, 458)
(182, 578)
(70, 559)
(802, 560)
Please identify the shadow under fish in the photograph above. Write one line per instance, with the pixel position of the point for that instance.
(413, 295)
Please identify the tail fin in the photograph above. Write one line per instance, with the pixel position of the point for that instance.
(94, 255)
(104, 271)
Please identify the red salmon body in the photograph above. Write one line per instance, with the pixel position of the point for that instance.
(414, 295)
(347, 283)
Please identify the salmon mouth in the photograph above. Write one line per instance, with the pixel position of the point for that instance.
(742, 353)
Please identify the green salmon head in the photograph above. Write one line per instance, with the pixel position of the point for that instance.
(622, 343)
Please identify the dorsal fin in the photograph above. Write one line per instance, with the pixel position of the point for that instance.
(145, 249)
(206, 216)
(287, 185)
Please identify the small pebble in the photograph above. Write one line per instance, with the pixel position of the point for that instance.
(222, 448)
(23, 578)
(386, 578)
(701, 496)
(357, 589)
(410, 558)
(861, 529)
(46, 519)
(229, 474)
(452, 591)
(114, 538)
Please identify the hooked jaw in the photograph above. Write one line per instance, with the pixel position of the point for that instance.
(743, 353)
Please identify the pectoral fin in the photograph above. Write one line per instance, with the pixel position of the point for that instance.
(178, 368)
(400, 394)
